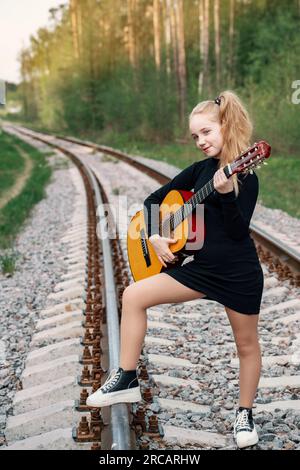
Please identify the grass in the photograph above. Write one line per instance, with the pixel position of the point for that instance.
(279, 188)
(16, 211)
(8, 263)
(279, 184)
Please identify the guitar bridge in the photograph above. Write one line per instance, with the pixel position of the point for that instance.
(145, 250)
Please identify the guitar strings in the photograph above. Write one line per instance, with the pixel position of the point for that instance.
(172, 221)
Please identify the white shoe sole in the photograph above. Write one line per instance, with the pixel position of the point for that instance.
(246, 442)
(123, 396)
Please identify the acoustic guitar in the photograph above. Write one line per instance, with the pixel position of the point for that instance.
(177, 218)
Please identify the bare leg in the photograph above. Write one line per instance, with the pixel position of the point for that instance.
(245, 333)
(155, 290)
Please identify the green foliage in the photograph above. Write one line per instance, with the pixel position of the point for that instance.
(267, 72)
(95, 86)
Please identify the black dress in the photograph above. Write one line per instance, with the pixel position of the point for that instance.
(226, 268)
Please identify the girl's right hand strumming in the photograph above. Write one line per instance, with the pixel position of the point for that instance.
(161, 247)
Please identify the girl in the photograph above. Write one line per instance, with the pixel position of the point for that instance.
(226, 269)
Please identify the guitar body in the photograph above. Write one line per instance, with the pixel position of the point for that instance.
(142, 258)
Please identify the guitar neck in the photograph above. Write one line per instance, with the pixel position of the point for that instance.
(175, 219)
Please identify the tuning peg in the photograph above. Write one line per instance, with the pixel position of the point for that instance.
(258, 167)
(265, 163)
(251, 171)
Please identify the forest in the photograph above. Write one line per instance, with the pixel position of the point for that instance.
(138, 67)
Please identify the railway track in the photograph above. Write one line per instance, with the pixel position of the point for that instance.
(188, 366)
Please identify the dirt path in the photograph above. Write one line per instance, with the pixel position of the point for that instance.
(21, 180)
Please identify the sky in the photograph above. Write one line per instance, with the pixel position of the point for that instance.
(18, 20)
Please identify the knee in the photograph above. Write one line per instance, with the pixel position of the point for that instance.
(130, 295)
(247, 345)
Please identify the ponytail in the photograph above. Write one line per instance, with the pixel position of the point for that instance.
(236, 126)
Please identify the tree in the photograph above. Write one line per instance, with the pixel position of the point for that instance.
(231, 43)
(217, 41)
(204, 44)
(167, 32)
(75, 30)
(178, 6)
(156, 31)
(131, 33)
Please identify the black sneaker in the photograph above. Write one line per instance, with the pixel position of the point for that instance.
(244, 430)
(120, 387)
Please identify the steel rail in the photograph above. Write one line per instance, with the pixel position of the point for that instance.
(119, 413)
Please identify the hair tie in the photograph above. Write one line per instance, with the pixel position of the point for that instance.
(218, 100)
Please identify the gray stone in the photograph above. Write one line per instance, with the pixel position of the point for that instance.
(282, 428)
(294, 437)
(229, 406)
(277, 443)
(268, 428)
(268, 437)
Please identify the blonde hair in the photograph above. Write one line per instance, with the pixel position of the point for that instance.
(236, 126)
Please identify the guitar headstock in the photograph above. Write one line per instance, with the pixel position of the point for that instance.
(251, 158)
